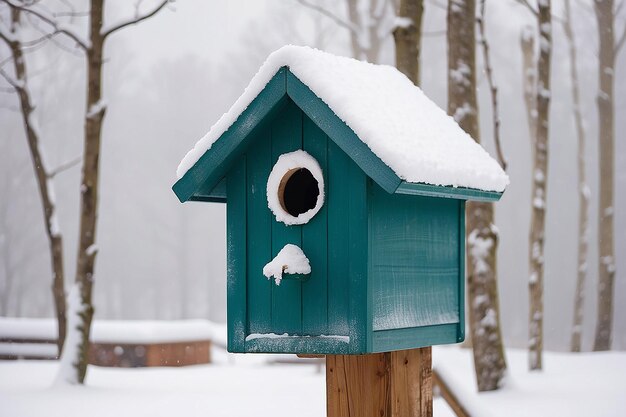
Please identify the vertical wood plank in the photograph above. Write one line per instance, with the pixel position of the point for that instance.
(338, 245)
(236, 256)
(360, 300)
(392, 384)
(411, 382)
(287, 297)
(259, 225)
(357, 385)
(314, 243)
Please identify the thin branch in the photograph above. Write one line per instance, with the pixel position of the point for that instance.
(620, 42)
(619, 8)
(46, 36)
(137, 19)
(64, 167)
(50, 21)
(492, 85)
(10, 108)
(12, 81)
(528, 6)
(329, 14)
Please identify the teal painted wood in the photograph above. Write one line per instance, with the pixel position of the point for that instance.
(310, 345)
(414, 260)
(341, 134)
(215, 194)
(286, 297)
(411, 338)
(236, 254)
(315, 243)
(215, 163)
(359, 301)
(337, 205)
(461, 193)
(461, 328)
(259, 220)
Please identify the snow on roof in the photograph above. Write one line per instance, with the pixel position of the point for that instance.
(393, 117)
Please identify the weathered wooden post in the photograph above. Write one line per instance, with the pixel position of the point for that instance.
(345, 188)
(395, 384)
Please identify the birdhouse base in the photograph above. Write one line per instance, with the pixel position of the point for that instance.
(391, 384)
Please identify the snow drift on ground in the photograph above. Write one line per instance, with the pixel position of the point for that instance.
(234, 386)
(571, 384)
(402, 126)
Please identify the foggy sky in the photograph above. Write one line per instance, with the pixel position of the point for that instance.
(169, 79)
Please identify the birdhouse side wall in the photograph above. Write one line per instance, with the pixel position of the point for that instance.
(416, 268)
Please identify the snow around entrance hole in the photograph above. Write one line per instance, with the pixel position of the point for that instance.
(295, 188)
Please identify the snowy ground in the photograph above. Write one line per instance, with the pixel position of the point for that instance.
(590, 385)
(241, 386)
(573, 385)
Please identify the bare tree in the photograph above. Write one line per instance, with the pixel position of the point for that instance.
(539, 121)
(44, 177)
(80, 308)
(407, 35)
(367, 24)
(583, 188)
(605, 15)
(482, 242)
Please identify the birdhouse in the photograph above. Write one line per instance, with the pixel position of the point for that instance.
(345, 189)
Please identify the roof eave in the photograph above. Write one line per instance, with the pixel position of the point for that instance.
(198, 182)
(460, 193)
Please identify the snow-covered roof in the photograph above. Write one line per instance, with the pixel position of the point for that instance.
(393, 117)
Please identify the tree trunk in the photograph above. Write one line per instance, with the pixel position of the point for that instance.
(365, 32)
(81, 303)
(583, 189)
(90, 183)
(44, 180)
(605, 17)
(408, 39)
(482, 243)
(539, 191)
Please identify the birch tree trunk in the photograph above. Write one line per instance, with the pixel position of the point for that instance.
(365, 23)
(42, 175)
(605, 16)
(407, 36)
(583, 189)
(539, 191)
(89, 187)
(482, 242)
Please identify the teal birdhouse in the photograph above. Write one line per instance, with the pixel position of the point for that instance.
(345, 189)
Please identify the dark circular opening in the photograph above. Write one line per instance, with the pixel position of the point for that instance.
(300, 192)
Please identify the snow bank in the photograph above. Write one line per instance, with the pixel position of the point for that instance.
(114, 331)
(571, 384)
(402, 126)
(233, 386)
(290, 260)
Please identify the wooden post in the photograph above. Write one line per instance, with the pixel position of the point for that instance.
(392, 384)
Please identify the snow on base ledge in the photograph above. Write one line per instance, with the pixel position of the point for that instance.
(254, 336)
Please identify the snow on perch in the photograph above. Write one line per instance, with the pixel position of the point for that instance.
(290, 260)
(393, 117)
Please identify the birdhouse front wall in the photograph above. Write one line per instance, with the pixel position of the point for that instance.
(326, 302)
